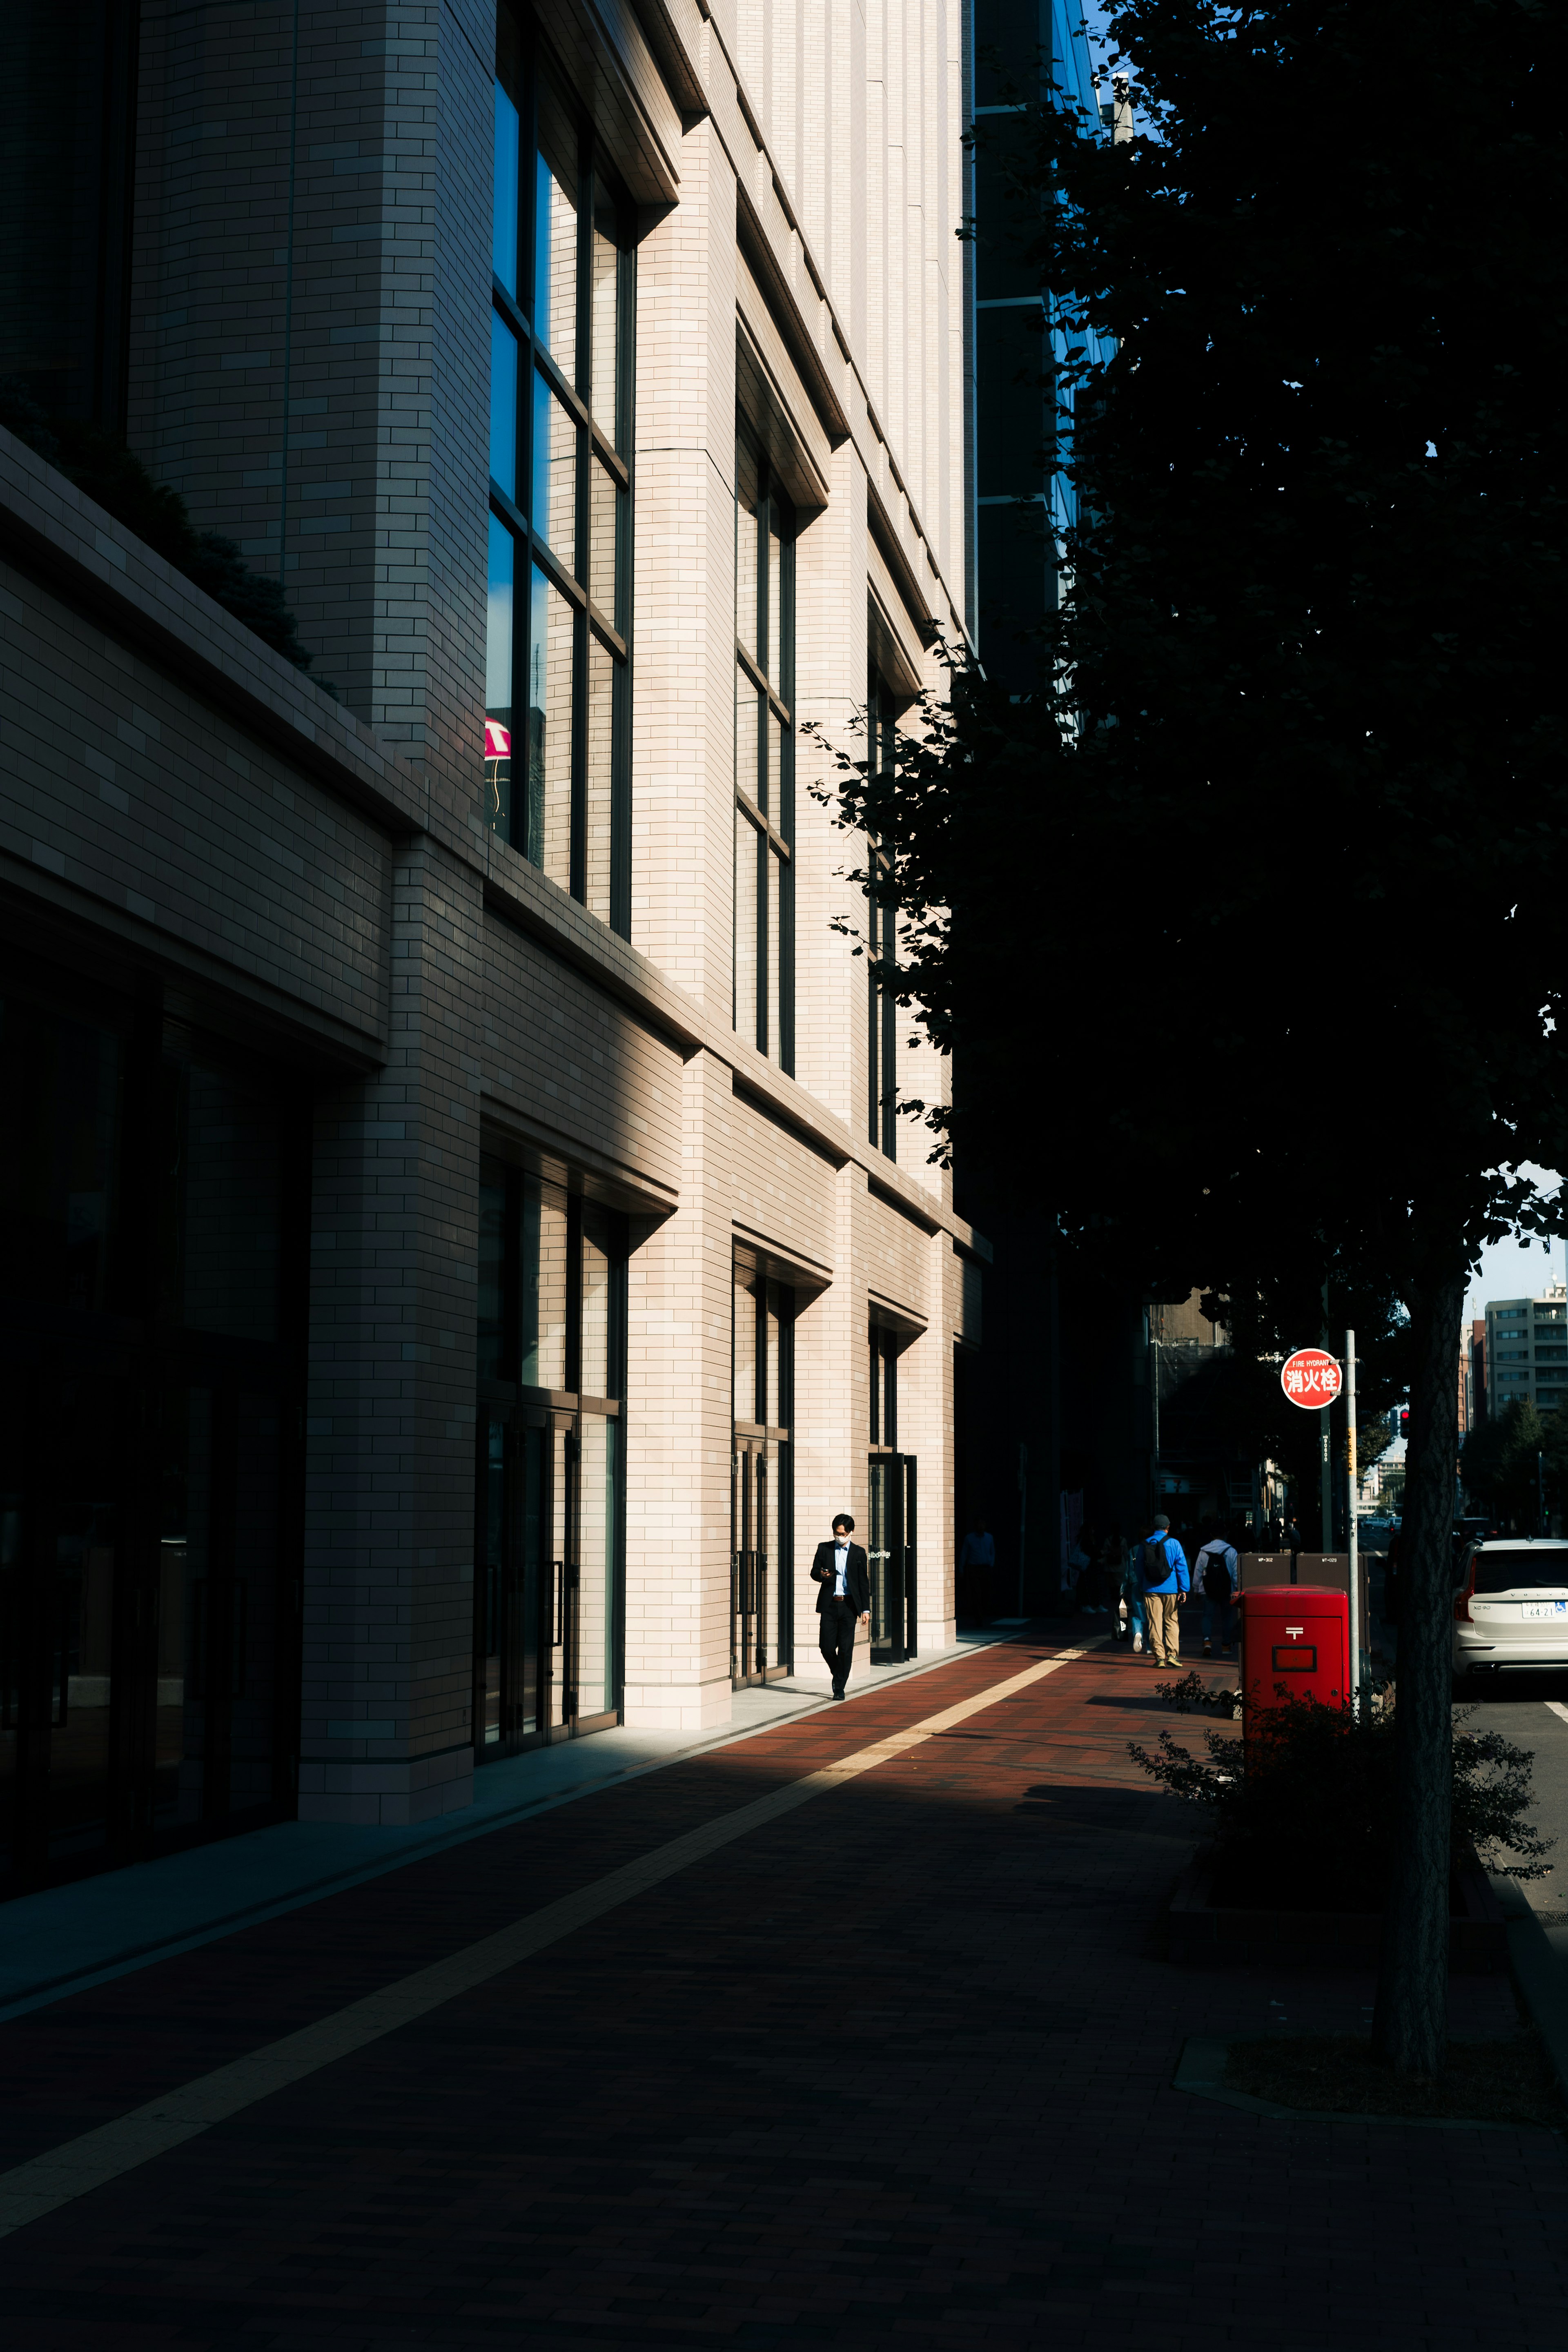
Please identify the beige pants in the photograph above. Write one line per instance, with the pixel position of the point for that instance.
(1164, 1628)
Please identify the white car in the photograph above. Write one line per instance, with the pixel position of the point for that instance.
(1511, 1607)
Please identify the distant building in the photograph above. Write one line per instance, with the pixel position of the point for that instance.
(1473, 1377)
(1525, 1350)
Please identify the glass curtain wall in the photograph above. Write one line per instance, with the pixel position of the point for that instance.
(551, 1474)
(764, 755)
(557, 690)
(763, 1548)
(883, 941)
(153, 1201)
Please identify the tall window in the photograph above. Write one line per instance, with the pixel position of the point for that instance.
(881, 942)
(549, 1534)
(765, 756)
(884, 1388)
(557, 703)
(760, 1612)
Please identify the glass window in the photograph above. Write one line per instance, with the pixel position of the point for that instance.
(223, 1135)
(507, 195)
(605, 303)
(745, 1348)
(153, 1203)
(542, 1354)
(60, 1081)
(605, 684)
(554, 474)
(881, 942)
(561, 355)
(605, 500)
(498, 642)
(764, 763)
(551, 1461)
(503, 406)
(551, 649)
(556, 244)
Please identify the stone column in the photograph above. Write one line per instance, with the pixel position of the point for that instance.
(389, 1506)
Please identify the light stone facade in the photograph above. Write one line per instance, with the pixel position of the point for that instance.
(308, 368)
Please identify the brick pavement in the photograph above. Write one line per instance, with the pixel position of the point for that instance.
(894, 2069)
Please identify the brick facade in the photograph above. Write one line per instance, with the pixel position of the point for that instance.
(308, 368)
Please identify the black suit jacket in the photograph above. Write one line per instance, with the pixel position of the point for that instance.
(856, 1582)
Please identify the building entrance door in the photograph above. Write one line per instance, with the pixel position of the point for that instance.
(757, 1637)
(545, 1663)
(890, 1556)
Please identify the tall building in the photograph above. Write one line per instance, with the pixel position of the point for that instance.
(1526, 1350)
(1020, 412)
(1056, 1413)
(457, 1253)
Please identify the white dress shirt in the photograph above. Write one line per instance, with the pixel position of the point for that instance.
(840, 1565)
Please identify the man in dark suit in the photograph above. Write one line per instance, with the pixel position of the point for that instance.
(845, 1594)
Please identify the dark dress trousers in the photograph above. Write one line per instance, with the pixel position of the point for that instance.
(837, 1629)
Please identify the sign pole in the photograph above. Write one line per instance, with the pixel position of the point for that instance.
(1326, 1469)
(1354, 1543)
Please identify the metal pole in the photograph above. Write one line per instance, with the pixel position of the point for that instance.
(1327, 1468)
(1355, 1546)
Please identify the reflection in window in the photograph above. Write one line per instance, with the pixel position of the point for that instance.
(552, 1286)
(764, 755)
(881, 941)
(557, 769)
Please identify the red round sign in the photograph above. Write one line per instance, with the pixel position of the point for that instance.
(1311, 1377)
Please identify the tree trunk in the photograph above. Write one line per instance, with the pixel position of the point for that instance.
(1410, 2026)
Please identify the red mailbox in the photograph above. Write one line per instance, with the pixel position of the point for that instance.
(1295, 1644)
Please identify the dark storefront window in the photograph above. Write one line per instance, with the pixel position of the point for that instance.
(152, 1224)
(549, 1534)
(68, 111)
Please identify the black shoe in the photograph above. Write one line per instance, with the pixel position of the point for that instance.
(838, 1690)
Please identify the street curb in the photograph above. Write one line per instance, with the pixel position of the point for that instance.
(1539, 1975)
(1201, 2071)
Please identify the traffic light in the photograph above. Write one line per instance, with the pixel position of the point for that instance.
(1404, 1422)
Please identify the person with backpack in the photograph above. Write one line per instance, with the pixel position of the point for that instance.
(1214, 1574)
(1162, 1566)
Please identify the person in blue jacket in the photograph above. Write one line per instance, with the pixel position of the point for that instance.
(1166, 1585)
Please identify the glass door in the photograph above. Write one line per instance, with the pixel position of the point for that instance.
(890, 1556)
(759, 1634)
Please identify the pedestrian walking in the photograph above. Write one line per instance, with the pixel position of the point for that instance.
(1215, 1574)
(839, 1570)
(1162, 1565)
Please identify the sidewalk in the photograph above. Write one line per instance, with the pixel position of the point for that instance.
(890, 2063)
(69, 1937)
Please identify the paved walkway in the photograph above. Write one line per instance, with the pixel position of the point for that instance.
(886, 2060)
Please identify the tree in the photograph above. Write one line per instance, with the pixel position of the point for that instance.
(1501, 1461)
(1298, 731)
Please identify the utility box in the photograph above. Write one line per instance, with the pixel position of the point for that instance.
(1295, 1644)
(1323, 1570)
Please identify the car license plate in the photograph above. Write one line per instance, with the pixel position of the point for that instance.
(1546, 1608)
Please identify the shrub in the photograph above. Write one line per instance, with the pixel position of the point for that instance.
(104, 470)
(1303, 1814)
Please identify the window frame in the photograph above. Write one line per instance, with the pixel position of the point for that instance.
(772, 682)
(597, 189)
(881, 941)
